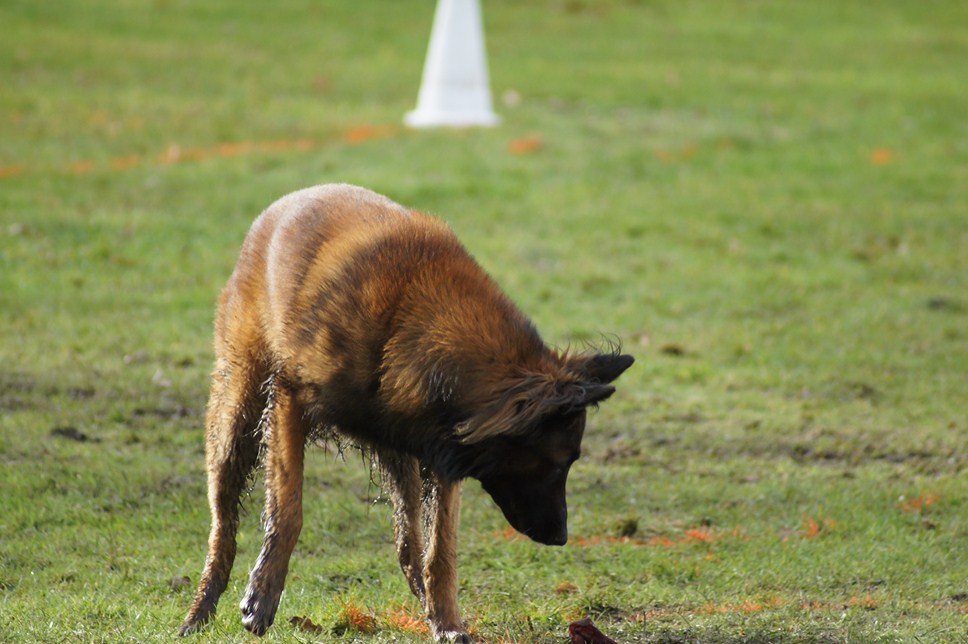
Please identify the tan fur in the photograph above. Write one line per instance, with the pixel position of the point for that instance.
(349, 313)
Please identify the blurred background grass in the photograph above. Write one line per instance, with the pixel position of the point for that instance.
(767, 203)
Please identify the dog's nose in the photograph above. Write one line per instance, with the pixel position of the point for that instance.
(557, 538)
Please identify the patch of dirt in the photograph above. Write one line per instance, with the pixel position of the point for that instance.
(74, 434)
(944, 304)
(163, 412)
(925, 460)
(14, 389)
(673, 349)
(844, 449)
(618, 451)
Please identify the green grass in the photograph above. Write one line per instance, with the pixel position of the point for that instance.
(766, 202)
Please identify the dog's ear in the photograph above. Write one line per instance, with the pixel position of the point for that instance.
(591, 393)
(528, 401)
(601, 367)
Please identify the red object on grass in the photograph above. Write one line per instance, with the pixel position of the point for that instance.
(584, 632)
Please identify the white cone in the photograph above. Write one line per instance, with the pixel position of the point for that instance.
(455, 90)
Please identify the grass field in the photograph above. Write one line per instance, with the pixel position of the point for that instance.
(765, 202)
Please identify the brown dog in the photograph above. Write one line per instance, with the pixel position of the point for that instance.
(349, 313)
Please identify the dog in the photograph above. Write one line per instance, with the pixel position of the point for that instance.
(350, 315)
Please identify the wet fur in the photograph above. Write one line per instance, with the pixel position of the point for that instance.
(350, 314)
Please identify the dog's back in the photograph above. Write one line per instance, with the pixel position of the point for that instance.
(370, 307)
(299, 246)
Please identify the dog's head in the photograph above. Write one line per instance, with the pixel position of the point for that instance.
(526, 441)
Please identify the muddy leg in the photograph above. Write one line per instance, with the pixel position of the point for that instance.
(231, 452)
(442, 507)
(285, 437)
(402, 476)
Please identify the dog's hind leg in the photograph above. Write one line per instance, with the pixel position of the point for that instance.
(402, 476)
(285, 432)
(442, 508)
(231, 453)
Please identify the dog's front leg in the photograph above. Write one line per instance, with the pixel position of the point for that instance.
(285, 436)
(402, 477)
(442, 506)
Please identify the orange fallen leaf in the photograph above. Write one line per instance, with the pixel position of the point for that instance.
(229, 150)
(775, 602)
(881, 156)
(566, 588)
(699, 534)
(813, 528)
(364, 133)
(919, 503)
(355, 617)
(7, 171)
(171, 154)
(509, 534)
(404, 620)
(82, 167)
(124, 163)
(527, 145)
(867, 602)
(746, 606)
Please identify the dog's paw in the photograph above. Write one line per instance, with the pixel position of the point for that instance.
(454, 637)
(189, 627)
(197, 618)
(258, 611)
